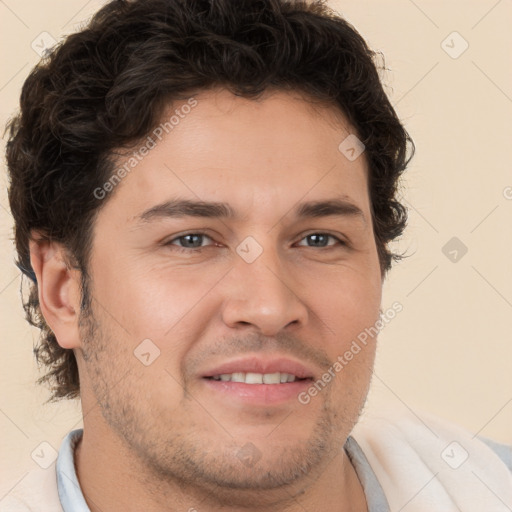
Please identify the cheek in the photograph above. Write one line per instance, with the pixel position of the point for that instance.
(350, 309)
(144, 296)
(346, 305)
(170, 307)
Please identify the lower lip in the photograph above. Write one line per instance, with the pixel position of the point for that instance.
(265, 394)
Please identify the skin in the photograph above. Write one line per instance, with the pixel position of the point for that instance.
(157, 437)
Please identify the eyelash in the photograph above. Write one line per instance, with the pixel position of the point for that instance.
(199, 249)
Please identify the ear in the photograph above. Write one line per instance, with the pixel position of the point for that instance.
(58, 290)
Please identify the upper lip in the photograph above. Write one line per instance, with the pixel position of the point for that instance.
(262, 365)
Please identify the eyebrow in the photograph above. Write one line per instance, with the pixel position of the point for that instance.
(186, 208)
(331, 207)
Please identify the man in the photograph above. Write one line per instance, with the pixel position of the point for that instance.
(204, 193)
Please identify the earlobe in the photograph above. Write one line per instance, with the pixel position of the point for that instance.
(58, 290)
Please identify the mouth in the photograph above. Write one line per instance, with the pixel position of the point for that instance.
(258, 378)
(258, 381)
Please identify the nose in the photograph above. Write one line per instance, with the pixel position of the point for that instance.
(263, 295)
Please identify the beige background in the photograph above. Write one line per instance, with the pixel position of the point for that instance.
(449, 351)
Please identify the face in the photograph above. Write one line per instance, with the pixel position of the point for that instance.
(231, 269)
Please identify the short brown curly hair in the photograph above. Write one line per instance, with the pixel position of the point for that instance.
(106, 86)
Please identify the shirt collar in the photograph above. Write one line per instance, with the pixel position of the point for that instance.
(70, 493)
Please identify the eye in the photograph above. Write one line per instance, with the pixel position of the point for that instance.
(191, 241)
(320, 240)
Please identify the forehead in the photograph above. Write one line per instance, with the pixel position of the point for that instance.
(250, 153)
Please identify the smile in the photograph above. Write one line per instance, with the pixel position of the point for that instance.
(257, 378)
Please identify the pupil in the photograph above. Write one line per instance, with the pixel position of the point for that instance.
(318, 240)
(192, 240)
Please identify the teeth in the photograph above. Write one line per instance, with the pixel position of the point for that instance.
(256, 378)
(253, 378)
(272, 378)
